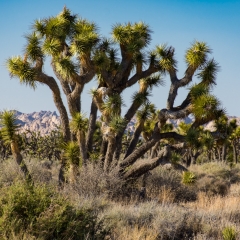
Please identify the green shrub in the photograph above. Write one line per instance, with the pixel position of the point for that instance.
(229, 233)
(188, 178)
(43, 214)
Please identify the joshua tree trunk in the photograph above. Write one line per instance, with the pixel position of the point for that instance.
(128, 116)
(235, 158)
(154, 150)
(134, 140)
(51, 83)
(224, 152)
(141, 169)
(91, 127)
(82, 145)
(103, 150)
(19, 160)
(109, 154)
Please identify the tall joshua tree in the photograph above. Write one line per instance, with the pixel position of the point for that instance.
(78, 54)
(9, 134)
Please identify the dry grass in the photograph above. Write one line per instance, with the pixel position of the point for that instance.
(170, 210)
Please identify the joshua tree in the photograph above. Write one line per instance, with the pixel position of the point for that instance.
(78, 54)
(71, 154)
(9, 135)
(78, 125)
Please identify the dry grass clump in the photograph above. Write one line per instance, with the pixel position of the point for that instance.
(213, 185)
(218, 212)
(9, 172)
(159, 221)
(93, 181)
(165, 185)
(217, 169)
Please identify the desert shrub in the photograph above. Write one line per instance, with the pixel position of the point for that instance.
(213, 185)
(222, 170)
(177, 223)
(42, 213)
(162, 181)
(9, 172)
(93, 181)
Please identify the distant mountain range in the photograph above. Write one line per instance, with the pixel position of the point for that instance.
(43, 121)
(46, 121)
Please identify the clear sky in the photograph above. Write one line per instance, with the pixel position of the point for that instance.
(177, 23)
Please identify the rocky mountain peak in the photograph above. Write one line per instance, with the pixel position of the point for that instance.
(47, 121)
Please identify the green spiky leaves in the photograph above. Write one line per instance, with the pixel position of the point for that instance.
(23, 70)
(52, 47)
(166, 57)
(112, 105)
(206, 107)
(196, 55)
(117, 124)
(207, 141)
(208, 73)
(198, 90)
(79, 122)
(188, 178)
(145, 112)
(85, 37)
(101, 60)
(33, 47)
(9, 126)
(71, 152)
(65, 67)
(141, 97)
(133, 37)
(84, 43)
(193, 138)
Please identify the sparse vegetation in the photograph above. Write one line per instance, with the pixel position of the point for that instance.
(98, 206)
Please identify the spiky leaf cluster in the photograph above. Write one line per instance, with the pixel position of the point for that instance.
(9, 126)
(79, 122)
(196, 55)
(66, 67)
(183, 128)
(33, 47)
(112, 105)
(188, 178)
(193, 138)
(133, 37)
(166, 57)
(83, 44)
(198, 90)
(207, 140)
(117, 123)
(71, 152)
(141, 97)
(208, 73)
(23, 70)
(145, 112)
(206, 107)
(51, 47)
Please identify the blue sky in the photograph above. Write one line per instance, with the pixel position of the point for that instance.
(177, 23)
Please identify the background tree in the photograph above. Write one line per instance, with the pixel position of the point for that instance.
(9, 129)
